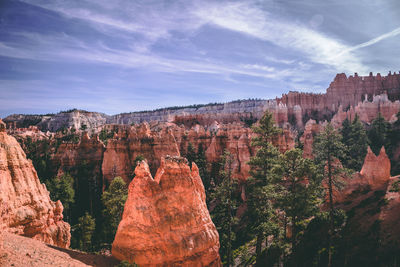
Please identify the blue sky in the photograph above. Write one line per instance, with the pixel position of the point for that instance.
(126, 55)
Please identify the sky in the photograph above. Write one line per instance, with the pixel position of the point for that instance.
(126, 55)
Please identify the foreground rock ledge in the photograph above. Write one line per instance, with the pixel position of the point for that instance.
(165, 220)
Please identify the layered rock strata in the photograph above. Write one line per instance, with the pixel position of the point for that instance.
(25, 205)
(165, 220)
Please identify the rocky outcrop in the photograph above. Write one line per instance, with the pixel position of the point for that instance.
(374, 175)
(311, 129)
(371, 199)
(367, 111)
(165, 220)
(25, 204)
(376, 169)
(348, 91)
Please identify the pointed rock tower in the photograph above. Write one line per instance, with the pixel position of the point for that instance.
(165, 220)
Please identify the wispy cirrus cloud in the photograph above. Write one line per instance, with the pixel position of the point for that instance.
(185, 50)
(251, 19)
(373, 41)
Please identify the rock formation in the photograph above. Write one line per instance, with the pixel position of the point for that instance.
(295, 108)
(371, 199)
(130, 142)
(165, 220)
(70, 156)
(367, 111)
(307, 139)
(374, 174)
(25, 204)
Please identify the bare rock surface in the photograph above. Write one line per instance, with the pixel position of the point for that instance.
(165, 220)
(25, 204)
(19, 251)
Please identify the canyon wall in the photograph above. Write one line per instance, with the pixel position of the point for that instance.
(25, 205)
(165, 220)
(294, 108)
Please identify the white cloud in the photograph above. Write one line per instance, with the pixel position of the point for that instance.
(250, 19)
(373, 41)
(259, 67)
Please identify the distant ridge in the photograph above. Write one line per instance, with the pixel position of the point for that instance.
(343, 92)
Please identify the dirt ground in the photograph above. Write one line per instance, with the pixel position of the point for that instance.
(21, 251)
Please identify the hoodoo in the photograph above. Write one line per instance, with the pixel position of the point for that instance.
(165, 220)
(25, 204)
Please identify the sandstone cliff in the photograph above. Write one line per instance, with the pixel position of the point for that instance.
(367, 111)
(165, 220)
(25, 204)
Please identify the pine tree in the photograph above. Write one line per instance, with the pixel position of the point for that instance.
(299, 192)
(62, 188)
(84, 232)
(202, 164)
(226, 205)
(113, 199)
(379, 134)
(260, 185)
(191, 154)
(394, 141)
(328, 148)
(345, 130)
(200, 159)
(354, 137)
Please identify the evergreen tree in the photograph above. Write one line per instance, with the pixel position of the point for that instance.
(346, 129)
(299, 192)
(328, 148)
(394, 141)
(354, 137)
(200, 159)
(225, 208)
(202, 164)
(260, 186)
(113, 200)
(83, 232)
(191, 154)
(379, 134)
(62, 188)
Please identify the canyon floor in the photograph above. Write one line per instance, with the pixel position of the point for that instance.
(22, 251)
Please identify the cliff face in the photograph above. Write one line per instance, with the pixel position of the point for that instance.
(89, 151)
(130, 142)
(367, 111)
(165, 220)
(350, 90)
(25, 204)
(54, 122)
(157, 140)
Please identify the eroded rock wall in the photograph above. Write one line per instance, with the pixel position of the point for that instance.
(25, 205)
